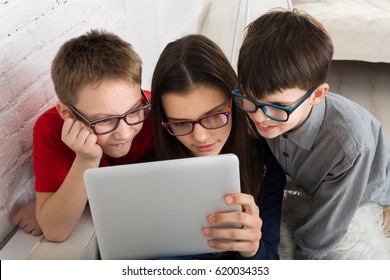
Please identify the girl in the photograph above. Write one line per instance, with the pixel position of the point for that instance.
(193, 115)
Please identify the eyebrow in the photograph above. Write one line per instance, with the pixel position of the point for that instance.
(135, 106)
(213, 110)
(285, 103)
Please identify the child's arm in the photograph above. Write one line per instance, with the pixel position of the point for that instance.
(59, 212)
(26, 219)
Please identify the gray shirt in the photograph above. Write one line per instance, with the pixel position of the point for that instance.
(339, 157)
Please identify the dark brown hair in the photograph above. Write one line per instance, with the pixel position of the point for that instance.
(189, 62)
(281, 50)
(90, 59)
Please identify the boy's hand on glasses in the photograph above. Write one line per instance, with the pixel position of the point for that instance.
(245, 240)
(81, 140)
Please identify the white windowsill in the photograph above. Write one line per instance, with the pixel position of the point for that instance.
(81, 244)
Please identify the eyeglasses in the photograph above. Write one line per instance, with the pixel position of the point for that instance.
(210, 121)
(109, 124)
(274, 112)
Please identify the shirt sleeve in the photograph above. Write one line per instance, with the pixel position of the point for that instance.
(270, 204)
(335, 201)
(52, 158)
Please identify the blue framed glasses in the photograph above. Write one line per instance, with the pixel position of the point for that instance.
(109, 124)
(274, 112)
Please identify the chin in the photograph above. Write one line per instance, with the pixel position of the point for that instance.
(269, 135)
(117, 154)
(209, 153)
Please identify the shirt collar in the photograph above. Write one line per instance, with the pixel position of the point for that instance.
(305, 135)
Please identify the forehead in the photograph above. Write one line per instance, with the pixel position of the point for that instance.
(193, 104)
(110, 97)
(284, 96)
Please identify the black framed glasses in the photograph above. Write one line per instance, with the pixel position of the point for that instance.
(109, 124)
(210, 121)
(274, 112)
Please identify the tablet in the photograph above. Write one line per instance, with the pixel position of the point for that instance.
(158, 209)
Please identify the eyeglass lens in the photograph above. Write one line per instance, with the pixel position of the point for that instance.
(209, 122)
(132, 117)
(250, 106)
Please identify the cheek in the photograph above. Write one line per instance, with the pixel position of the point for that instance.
(102, 139)
(137, 128)
(252, 117)
(225, 131)
(297, 117)
(184, 140)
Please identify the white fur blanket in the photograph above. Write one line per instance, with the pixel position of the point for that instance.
(366, 238)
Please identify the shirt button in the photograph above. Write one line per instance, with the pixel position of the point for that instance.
(285, 154)
(285, 136)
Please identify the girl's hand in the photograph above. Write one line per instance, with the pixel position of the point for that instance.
(81, 140)
(245, 240)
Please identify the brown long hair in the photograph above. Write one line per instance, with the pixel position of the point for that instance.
(196, 60)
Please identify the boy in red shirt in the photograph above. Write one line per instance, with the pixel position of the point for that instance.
(101, 119)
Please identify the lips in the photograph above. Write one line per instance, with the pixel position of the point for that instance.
(264, 128)
(122, 143)
(205, 148)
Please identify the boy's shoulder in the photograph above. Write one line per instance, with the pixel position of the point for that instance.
(50, 120)
(349, 122)
(341, 109)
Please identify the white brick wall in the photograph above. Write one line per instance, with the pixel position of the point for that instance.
(31, 33)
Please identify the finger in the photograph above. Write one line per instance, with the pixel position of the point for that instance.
(250, 248)
(234, 219)
(247, 201)
(91, 147)
(228, 218)
(28, 228)
(72, 130)
(16, 219)
(248, 234)
(83, 134)
(90, 141)
(77, 138)
(36, 231)
(67, 126)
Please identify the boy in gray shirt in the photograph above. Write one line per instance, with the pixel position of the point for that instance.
(330, 147)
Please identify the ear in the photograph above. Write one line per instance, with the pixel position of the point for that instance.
(319, 94)
(63, 110)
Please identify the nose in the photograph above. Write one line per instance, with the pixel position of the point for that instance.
(123, 131)
(259, 116)
(200, 133)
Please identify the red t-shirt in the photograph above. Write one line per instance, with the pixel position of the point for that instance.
(53, 158)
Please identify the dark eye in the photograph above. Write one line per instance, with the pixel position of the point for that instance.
(179, 124)
(105, 121)
(134, 112)
(280, 105)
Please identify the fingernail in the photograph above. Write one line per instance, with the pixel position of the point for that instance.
(228, 199)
